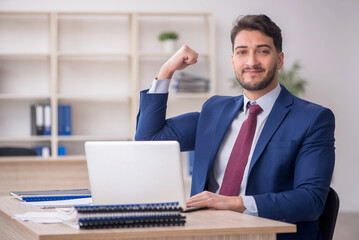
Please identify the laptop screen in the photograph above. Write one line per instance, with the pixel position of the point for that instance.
(132, 172)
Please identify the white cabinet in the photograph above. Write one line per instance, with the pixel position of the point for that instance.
(97, 63)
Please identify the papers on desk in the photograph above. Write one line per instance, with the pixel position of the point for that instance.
(39, 217)
(59, 204)
(111, 216)
(50, 217)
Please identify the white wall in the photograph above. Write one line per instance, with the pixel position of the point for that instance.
(323, 35)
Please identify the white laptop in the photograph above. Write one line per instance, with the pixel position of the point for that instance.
(129, 172)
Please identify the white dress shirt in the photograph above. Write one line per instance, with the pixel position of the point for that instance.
(266, 102)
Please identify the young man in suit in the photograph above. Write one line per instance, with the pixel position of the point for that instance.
(265, 153)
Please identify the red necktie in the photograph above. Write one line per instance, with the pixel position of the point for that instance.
(238, 159)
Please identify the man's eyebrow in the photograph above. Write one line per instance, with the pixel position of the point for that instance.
(264, 45)
(258, 46)
(241, 46)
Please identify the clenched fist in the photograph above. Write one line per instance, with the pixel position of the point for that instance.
(184, 57)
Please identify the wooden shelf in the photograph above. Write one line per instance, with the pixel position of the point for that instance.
(32, 159)
(24, 97)
(97, 62)
(92, 98)
(179, 96)
(84, 55)
(74, 138)
(24, 139)
(24, 55)
(167, 55)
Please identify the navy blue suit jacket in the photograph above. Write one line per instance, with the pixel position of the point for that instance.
(292, 164)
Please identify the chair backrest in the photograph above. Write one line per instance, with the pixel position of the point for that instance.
(16, 151)
(328, 218)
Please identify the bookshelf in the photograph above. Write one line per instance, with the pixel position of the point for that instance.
(95, 61)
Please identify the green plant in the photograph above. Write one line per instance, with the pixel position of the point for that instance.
(289, 78)
(167, 35)
(292, 80)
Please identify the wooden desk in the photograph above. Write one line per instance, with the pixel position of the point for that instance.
(36, 173)
(202, 224)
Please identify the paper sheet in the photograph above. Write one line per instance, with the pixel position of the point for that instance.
(39, 217)
(59, 204)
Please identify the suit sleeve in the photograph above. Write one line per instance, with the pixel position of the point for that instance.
(152, 123)
(313, 171)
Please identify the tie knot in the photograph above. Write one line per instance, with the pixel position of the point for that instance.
(254, 109)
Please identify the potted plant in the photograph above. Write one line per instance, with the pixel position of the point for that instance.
(292, 80)
(168, 39)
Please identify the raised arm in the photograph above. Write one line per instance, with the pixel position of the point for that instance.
(151, 119)
(184, 57)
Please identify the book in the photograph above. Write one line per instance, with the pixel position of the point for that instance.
(189, 83)
(123, 216)
(51, 195)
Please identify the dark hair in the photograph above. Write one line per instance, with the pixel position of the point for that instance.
(261, 23)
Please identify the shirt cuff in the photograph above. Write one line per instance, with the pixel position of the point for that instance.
(250, 205)
(160, 86)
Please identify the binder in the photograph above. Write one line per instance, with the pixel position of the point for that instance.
(51, 195)
(47, 119)
(37, 119)
(123, 216)
(137, 222)
(64, 120)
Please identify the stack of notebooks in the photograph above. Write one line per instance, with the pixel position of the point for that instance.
(188, 83)
(123, 216)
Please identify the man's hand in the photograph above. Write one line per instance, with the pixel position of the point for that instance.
(184, 57)
(212, 200)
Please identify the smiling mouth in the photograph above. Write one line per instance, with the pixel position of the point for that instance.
(252, 72)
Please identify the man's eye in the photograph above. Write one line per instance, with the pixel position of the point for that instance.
(241, 52)
(263, 51)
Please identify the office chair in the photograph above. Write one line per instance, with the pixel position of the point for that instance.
(328, 218)
(17, 151)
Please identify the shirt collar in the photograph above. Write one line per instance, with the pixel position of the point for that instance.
(266, 102)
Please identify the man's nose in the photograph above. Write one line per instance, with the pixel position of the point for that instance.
(252, 60)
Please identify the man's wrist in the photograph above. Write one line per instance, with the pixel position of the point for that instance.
(164, 73)
(237, 204)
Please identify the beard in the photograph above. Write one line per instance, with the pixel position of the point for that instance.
(262, 84)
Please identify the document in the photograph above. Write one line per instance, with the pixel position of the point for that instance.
(39, 217)
(59, 204)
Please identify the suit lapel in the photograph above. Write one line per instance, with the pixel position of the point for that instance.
(228, 114)
(279, 111)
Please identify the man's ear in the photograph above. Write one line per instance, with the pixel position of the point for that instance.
(232, 62)
(280, 60)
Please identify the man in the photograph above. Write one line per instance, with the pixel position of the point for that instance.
(265, 153)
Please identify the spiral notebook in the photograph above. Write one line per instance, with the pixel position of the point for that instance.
(123, 216)
(131, 172)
